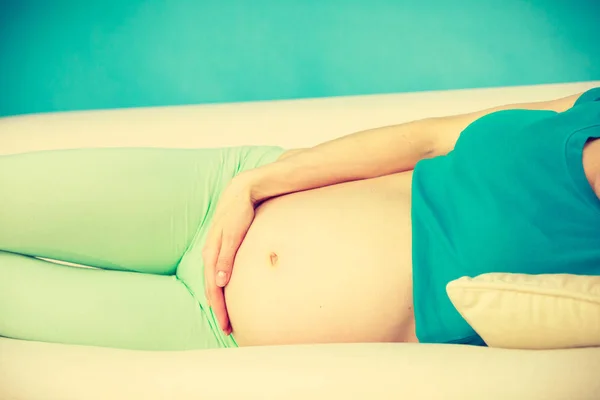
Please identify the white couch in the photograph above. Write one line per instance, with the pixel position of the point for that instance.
(45, 371)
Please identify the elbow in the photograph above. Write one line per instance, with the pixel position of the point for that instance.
(446, 130)
(438, 137)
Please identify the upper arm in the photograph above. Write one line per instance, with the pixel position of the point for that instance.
(446, 130)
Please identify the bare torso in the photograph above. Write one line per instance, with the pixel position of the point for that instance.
(327, 265)
(333, 265)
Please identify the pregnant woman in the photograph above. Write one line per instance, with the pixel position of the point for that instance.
(353, 240)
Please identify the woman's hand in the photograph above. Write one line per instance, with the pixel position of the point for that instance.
(232, 219)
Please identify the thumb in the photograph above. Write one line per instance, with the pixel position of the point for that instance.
(229, 248)
(223, 277)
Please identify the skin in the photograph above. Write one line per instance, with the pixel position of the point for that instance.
(372, 154)
(591, 164)
(339, 275)
(313, 270)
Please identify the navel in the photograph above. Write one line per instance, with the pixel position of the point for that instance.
(273, 258)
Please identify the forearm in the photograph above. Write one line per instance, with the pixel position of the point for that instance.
(373, 153)
(362, 155)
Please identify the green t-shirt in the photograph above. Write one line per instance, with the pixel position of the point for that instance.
(511, 197)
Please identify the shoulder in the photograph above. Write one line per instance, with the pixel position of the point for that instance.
(589, 96)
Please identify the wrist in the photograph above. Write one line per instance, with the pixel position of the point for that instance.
(256, 184)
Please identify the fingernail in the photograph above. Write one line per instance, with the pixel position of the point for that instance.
(221, 275)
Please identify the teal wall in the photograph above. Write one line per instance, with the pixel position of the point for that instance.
(72, 55)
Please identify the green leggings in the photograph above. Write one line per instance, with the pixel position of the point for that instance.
(139, 217)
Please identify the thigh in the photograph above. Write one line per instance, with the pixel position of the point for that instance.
(132, 209)
(47, 302)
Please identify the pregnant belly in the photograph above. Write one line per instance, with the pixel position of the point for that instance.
(327, 265)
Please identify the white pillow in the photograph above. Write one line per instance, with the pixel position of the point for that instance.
(530, 311)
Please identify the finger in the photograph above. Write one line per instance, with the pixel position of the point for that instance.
(213, 293)
(229, 247)
(219, 308)
(210, 253)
